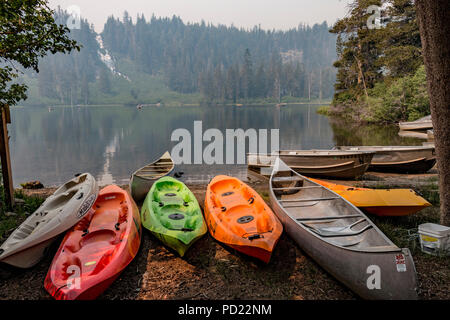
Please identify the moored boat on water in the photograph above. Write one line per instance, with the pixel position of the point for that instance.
(95, 252)
(413, 134)
(318, 163)
(340, 238)
(61, 211)
(142, 180)
(404, 159)
(238, 217)
(424, 123)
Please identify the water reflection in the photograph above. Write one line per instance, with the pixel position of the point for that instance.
(111, 142)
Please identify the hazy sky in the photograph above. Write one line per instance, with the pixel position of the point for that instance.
(278, 14)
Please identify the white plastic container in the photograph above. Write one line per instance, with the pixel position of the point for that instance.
(435, 239)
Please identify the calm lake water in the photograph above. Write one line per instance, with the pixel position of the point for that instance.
(51, 145)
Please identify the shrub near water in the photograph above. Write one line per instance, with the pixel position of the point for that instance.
(405, 98)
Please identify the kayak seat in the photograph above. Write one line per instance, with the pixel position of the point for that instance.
(244, 220)
(341, 231)
(60, 200)
(73, 184)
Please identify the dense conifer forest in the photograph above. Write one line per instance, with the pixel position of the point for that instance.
(151, 60)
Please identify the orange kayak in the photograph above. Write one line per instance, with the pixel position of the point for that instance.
(380, 202)
(238, 217)
(94, 253)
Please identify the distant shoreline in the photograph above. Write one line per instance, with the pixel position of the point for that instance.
(251, 104)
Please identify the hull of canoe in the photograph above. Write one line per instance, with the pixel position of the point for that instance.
(345, 165)
(414, 166)
(140, 186)
(351, 267)
(413, 134)
(345, 172)
(399, 158)
(425, 125)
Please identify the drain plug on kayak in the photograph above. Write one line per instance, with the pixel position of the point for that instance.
(245, 219)
(176, 216)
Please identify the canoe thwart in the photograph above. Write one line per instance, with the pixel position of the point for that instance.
(311, 199)
(330, 217)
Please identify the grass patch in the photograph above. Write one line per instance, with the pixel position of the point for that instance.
(403, 231)
(324, 110)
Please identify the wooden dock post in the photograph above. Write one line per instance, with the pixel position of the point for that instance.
(5, 157)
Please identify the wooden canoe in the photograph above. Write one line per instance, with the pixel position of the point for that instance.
(142, 180)
(61, 211)
(380, 202)
(95, 252)
(237, 216)
(317, 163)
(340, 238)
(403, 159)
(424, 123)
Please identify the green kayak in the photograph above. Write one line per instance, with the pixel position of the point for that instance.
(171, 212)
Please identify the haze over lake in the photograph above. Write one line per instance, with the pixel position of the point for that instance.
(51, 145)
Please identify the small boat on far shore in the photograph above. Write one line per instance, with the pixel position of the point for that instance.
(318, 163)
(404, 159)
(413, 134)
(142, 180)
(420, 124)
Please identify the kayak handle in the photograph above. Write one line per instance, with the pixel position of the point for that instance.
(251, 200)
(254, 237)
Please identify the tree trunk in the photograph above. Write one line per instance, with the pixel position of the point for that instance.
(434, 26)
(5, 118)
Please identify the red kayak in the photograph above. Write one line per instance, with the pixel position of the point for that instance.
(94, 253)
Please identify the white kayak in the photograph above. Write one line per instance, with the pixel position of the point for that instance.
(28, 243)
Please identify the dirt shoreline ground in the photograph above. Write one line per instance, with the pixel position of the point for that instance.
(211, 271)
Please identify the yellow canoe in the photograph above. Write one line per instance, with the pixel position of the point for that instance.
(380, 202)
